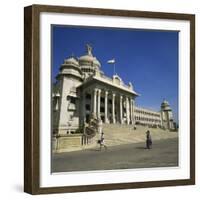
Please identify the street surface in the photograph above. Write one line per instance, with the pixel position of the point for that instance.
(164, 153)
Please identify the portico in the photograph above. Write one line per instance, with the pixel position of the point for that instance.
(110, 103)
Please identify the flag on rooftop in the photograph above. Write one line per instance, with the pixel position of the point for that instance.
(111, 61)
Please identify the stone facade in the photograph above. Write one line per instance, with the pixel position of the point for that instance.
(83, 90)
(147, 117)
(161, 119)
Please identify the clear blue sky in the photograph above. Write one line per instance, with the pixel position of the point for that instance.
(147, 58)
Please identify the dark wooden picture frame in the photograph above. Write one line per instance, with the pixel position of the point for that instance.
(32, 93)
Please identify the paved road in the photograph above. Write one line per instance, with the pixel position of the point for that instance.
(164, 153)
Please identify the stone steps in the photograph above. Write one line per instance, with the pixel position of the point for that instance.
(116, 134)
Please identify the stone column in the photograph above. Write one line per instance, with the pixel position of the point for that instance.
(55, 103)
(106, 107)
(95, 102)
(121, 109)
(127, 111)
(131, 111)
(113, 108)
(99, 104)
(83, 107)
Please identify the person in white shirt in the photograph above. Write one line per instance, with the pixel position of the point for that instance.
(102, 142)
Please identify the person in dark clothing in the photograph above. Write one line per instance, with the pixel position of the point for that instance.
(148, 140)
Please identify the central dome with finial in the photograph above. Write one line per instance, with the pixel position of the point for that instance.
(88, 63)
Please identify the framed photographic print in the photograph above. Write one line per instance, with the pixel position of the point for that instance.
(109, 99)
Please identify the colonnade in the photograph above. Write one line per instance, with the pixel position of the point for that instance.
(124, 106)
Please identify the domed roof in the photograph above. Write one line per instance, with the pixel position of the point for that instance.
(89, 59)
(71, 60)
(165, 103)
(70, 67)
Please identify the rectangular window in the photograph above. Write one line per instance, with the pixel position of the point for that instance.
(87, 107)
(73, 100)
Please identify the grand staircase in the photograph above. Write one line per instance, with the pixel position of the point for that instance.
(117, 134)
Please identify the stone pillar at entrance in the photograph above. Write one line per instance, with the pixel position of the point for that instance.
(121, 109)
(130, 108)
(113, 108)
(95, 103)
(132, 112)
(106, 107)
(127, 111)
(133, 115)
(99, 104)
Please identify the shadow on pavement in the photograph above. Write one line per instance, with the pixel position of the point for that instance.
(140, 148)
(97, 149)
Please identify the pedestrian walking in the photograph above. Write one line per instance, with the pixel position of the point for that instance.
(102, 142)
(148, 140)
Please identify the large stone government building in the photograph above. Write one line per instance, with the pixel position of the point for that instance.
(83, 90)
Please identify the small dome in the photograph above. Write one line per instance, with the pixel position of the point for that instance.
(165, 103)
(71, 60)
(70, 67)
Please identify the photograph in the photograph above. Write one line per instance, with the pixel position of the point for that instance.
(114, 98)
(109, 99)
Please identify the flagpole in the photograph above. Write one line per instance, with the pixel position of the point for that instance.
(114, 68)
(112, 62)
